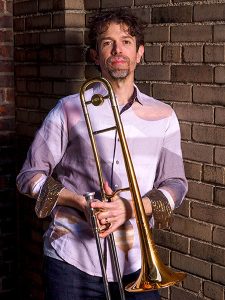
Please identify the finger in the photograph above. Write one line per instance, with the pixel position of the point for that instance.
(99, 204)
(107, 188)
(106, 221)
(108, 231)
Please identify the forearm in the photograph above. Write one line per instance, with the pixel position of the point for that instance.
(71, 199)
(53, 193)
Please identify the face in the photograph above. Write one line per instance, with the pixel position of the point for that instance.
(117, 53)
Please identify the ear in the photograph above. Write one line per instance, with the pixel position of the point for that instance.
(140, 53)
(94, 56)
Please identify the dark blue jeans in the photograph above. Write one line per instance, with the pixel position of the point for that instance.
(65, 282)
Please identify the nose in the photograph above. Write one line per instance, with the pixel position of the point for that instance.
(116, 49)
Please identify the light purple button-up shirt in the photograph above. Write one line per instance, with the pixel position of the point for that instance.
(62, 149)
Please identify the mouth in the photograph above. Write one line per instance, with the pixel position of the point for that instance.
(117, 60)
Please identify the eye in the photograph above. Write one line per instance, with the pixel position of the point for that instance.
(106, 43)
(127, 42)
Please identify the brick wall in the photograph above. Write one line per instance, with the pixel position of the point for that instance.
(7, 150)
(184, 66)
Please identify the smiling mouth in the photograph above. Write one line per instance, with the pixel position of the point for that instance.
(117, 60)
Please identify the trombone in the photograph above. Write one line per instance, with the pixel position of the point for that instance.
(154, 274)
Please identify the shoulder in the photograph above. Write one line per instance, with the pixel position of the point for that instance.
(153, 109)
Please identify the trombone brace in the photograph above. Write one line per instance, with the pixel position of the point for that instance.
(161, 209)
(48, 197)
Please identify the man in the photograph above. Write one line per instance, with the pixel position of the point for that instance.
(60, 169)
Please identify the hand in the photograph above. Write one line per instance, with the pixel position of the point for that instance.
(116, 212)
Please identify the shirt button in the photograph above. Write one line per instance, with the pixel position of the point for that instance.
(116, 186)
(117, 162)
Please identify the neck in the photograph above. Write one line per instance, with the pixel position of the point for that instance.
(123, 89)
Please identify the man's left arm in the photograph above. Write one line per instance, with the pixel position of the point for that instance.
(170, 186)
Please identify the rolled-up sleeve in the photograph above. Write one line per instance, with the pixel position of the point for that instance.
(170, 170)
(45, 151)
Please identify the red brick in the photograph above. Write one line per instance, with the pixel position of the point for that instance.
(91, 4)
(2, 5)
(68, 20)
(27, 102)
(193, 53)
(25, 7)
(218, 274)
(172, 92)
(115, 3)
(219, 33)
(171, 240)
(209, 12)
(152, 53)
(6, 81)
(214, 174)
(19, 24)
(62, 71)
(208, 213)
(144, 14)
(152, 72)
(185, 131)
(214, 53)
(192, 283)
(174, 14)
(44, 5)
(220, 74)
(191, 265)
(191, 33)
(9, 95)
(47, 103)
(200, 191)
(209, 94)
(7, 124)
(213, 291)
(209, 134)
(218, 236)
(157, 34)
(27, 39)
(184, 73)
(71, 4)
(220, 156)
(9, 7)
(193, 170)
(7, 110)
(220, 196)
(26, 70)
(75, 54)
(192, 228)
(6, 36)
(38, 22)
(194, 113)
(6, 52)
(171, 54)
(197, 152)
(208, 252)
(177, 293)
(147, 2)
(6, 21)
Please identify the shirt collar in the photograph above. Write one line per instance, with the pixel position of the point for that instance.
(134, 97)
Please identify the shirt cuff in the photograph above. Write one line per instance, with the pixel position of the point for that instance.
(169, 197)
(35, 190)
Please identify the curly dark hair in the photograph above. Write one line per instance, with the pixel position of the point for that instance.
(100, 22)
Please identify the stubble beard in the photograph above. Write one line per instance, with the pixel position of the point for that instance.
(118, 73)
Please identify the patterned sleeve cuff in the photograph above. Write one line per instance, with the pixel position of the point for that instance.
(48, 197)
(161, 209)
